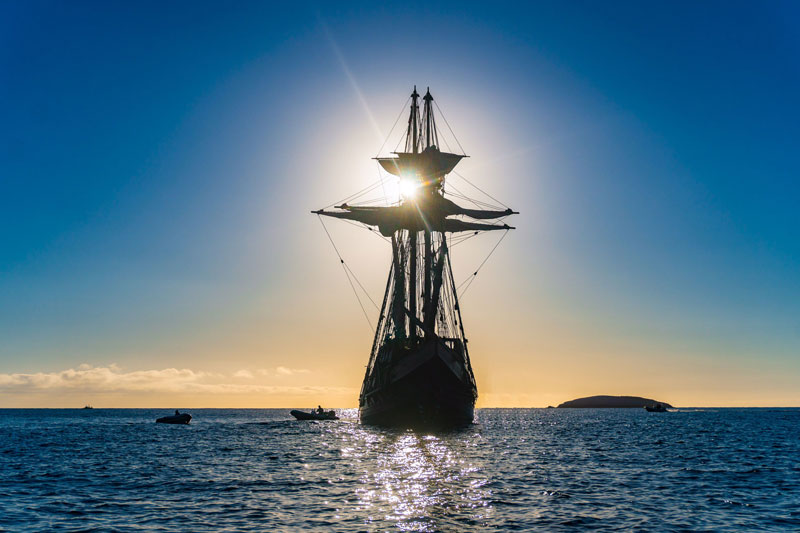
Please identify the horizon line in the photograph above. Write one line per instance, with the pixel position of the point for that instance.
(477, 408)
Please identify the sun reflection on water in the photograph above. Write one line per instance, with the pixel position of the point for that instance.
(418, 481)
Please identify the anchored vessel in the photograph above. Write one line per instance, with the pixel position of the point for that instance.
(419, 371)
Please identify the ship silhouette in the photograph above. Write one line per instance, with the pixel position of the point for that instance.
(419, 371)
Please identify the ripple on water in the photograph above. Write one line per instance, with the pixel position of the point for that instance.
(514, 469)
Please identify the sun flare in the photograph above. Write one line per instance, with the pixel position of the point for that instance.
(408, 188)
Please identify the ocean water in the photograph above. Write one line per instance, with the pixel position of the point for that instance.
(514, 469)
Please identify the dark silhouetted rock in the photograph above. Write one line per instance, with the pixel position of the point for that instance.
(613, 402)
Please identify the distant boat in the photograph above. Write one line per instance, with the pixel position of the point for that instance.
(88, 407)
(656, 408)
(313, 415)
(177, 418)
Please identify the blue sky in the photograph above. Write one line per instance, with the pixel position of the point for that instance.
(158, 162)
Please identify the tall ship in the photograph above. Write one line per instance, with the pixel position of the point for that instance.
(419, 370)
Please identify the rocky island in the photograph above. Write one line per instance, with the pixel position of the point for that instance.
(612, 402)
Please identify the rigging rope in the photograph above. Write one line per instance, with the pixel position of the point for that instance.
(374, 185)
(402, 109)
(448, 127)
(345, 268)
(458, 240)
(446, 144)
(484, 192)
(476, 203)
(472, 276)
(362, 225)
(459, 194)
(369, 202)
(362, 287)
(383, 188)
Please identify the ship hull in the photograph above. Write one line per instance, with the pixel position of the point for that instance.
(430, 396)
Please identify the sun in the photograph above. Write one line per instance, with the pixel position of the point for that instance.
(408, 188)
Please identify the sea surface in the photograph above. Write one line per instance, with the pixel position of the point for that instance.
(514, 469)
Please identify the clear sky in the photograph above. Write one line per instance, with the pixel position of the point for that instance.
(158, 162)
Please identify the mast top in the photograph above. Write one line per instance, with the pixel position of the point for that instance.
(422, 166)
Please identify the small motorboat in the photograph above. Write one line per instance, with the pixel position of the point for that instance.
(88, 407)
(314, 415)
(177, 418)
(657, 408)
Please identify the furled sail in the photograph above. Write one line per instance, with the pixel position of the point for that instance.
(451, 208)
(429, 212)
(454, 225)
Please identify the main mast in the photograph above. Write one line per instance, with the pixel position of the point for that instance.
(421, 132)
(412, 244)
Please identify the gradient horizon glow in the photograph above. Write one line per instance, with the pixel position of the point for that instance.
(158, 163)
